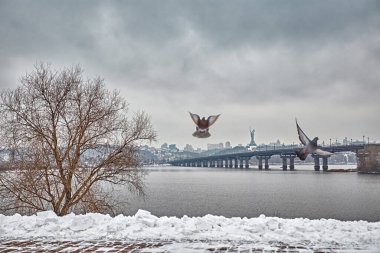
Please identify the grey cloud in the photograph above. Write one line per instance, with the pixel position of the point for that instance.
(290, 22)
(234, 57)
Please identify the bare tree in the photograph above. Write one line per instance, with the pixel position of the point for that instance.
(67, 140)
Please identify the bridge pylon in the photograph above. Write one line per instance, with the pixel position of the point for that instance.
(266, 161)
(317, 166)
(285, 158)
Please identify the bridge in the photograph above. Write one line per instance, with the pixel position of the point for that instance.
(241, 160)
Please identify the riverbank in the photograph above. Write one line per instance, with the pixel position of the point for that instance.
(262, 233)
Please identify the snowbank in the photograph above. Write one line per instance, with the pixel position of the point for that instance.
(145, 226)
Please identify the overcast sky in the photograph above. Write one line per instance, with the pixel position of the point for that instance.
(258, 63)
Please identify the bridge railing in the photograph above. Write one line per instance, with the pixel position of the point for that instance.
(279, 150)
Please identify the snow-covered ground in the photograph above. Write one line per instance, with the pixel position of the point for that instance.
(262, 231)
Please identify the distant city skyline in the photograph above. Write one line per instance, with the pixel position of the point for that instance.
(260, 64)
(221, 145)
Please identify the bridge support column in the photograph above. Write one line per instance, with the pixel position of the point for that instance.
(230, 162)
(260, 162)
(325, 165)
(291, 162)
(236, 162)
(317, 167)
(247, 162)
(266, 162)
(241, 165)
(284, 163)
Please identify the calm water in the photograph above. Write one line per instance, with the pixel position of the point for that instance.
(177, 191)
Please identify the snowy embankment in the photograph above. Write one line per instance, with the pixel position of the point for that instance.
(145, 226)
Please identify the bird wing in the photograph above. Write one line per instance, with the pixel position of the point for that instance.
(211, 120)
(302, 136)
(322, 152)
(194, 117)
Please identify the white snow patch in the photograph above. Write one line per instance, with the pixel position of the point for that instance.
(323, 233)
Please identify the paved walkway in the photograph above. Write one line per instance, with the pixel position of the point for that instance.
(40, 246)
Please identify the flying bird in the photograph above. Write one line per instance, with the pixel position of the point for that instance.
(310, 146)
(203, 125)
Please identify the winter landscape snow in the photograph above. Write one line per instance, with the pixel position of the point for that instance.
(262, 230)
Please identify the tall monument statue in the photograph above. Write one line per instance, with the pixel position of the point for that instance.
(252, 131)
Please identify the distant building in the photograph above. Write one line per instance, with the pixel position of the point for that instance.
(173, 147)
(276, 143)
(164, 146)
(215, 146)
(228, 144)
(188, 148)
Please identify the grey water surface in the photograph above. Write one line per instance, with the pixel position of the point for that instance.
(179, 191)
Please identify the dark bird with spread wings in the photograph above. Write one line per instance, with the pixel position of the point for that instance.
(203, 125)
(310, 147)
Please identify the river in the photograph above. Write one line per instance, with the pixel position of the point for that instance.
(179, 191)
